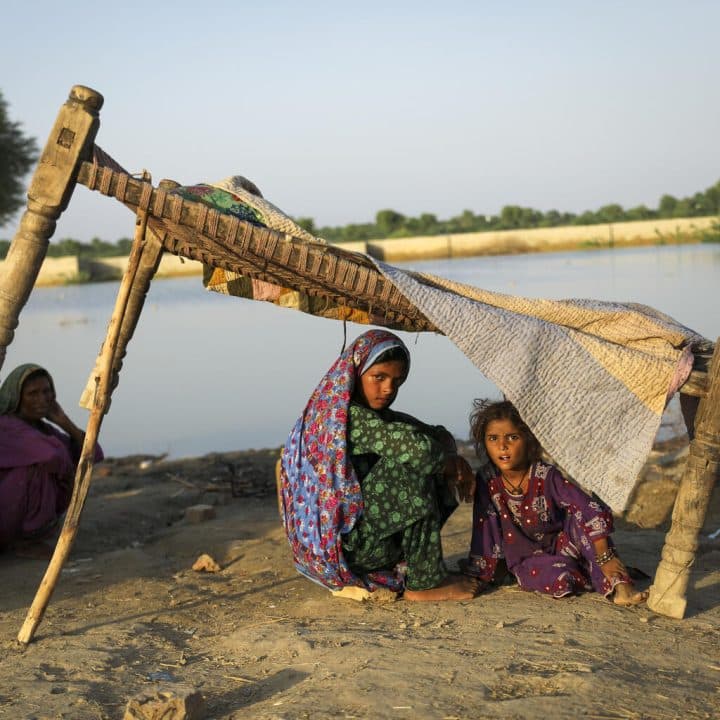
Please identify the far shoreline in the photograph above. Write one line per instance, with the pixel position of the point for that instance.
(71, 270)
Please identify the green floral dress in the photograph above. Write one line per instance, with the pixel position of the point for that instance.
(399, 462)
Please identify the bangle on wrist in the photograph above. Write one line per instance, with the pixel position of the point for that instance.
(605, 557)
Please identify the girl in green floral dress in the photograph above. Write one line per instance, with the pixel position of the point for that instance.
(366, 490)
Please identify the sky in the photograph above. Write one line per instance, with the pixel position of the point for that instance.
(337, 110)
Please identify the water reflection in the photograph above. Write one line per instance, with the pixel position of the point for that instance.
(207, 373)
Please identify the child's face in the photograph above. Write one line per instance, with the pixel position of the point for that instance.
(379, 385)
(506, 445)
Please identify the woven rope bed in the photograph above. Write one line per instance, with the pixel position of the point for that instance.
(194, 230)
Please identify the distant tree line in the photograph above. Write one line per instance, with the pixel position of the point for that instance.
(392, 224)
(96, 248)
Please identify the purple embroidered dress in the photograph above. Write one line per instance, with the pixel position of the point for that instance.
(545, 536)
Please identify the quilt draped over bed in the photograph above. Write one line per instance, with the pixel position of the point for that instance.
(590, 378)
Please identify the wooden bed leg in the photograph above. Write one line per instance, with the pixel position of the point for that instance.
(70, 142)
(667, 594)
(147, 267)
(85, 466)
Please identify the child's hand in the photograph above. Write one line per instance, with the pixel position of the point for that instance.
(612, 567)
(460, 477)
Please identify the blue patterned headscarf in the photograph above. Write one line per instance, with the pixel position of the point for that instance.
(321, 494)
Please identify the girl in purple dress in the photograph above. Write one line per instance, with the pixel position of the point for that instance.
(552, 536)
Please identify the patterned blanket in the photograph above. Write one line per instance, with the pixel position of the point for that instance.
(590, 378)
(238, 196)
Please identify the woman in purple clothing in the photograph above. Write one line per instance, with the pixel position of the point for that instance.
(37, 459)
(553, 537)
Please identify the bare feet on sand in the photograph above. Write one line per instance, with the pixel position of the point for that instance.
(626, 595)
(453, 587)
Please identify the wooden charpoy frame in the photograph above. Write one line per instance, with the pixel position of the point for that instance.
(167, 222)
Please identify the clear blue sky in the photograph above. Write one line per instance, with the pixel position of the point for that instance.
(337, 110)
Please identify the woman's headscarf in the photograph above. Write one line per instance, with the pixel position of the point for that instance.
(11, 389)
(321, 492)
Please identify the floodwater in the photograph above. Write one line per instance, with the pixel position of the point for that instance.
(208, 373)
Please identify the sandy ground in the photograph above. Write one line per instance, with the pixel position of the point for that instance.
(129, 615)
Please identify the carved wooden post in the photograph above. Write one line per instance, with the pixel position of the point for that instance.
(70, 142)
(667, 594)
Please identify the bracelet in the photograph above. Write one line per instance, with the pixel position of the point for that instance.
(606, 557)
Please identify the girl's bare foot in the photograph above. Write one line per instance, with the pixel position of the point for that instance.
(453, 587)
(626, 595)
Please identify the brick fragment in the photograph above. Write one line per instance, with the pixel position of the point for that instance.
(199, 513)
(176, 703)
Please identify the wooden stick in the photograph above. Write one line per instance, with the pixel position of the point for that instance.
(152, 252)
(85, 466)
(69, 144)
(147, 267)
(697, 384)
(667, 594)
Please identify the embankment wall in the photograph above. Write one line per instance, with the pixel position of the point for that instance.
(59, 271)
(501, 242)
(64, 270)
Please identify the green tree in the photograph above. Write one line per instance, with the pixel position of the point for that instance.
(17, 155)
(610, 213)
(683, 208)
(552, 218)
(124, 246)
(388, 222)
(359, 231)
(712, 195)
(514, 216)
(467, 221)
(640, 212)
(510, 217)
(427, 224)
(701, 204)
(332, 234)
(65, 247)
(307, 223)
(101, 248)
(666, 208)
(586, 218)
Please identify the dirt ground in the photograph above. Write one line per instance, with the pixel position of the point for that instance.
(129, 615)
